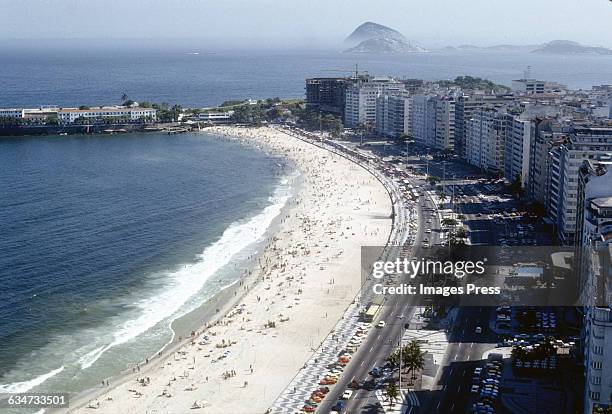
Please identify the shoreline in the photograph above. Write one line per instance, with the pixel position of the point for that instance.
(208, 313)
(229, 309)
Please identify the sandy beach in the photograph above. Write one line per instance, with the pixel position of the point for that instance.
(305, 278)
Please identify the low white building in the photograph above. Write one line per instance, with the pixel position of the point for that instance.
(69, 115)
(12, 113)
(215, 117)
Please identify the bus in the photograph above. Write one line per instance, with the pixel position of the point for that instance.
(371, 313)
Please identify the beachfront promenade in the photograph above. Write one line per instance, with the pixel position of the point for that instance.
(344, 335)
(304, 282)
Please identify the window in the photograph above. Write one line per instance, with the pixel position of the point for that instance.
(596, 364)
(594, 396)
(596, 380)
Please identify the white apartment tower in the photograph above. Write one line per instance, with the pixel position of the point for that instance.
(583, 143)
(594, 257)
(361, 96)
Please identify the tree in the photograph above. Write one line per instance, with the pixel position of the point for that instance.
(518, 353)
(83, 107)
(124, 97)
(392, 392)
(442, 195)
(415, 360)
(433, 179)
(393, 358)
(332, 124)
(248, 114)
(449, 222)
(461, 233)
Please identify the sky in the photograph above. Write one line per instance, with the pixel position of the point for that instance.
(309, 22)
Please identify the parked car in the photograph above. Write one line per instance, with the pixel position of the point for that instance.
(347, 394)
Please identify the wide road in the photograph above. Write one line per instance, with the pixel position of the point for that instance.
(396, 311)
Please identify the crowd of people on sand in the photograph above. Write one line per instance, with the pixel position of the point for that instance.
(279, 269)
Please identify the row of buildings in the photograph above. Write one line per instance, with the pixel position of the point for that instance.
(72, 115)
(537, 133)
(555, 142)
(593, 257)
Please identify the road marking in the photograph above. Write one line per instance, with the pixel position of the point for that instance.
(450, 372)
(438, 406)
(472, 345)
(468, 358)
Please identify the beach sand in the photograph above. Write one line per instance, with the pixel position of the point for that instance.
(307, 276)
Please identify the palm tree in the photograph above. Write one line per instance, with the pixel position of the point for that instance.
(394, 358)
(442, 195)
(392, 392)
(461, 233)
(415, 359)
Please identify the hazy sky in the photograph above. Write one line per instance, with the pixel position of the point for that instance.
(310, 22)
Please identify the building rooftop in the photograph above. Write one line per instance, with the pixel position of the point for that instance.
(104, 108)
(602, 202)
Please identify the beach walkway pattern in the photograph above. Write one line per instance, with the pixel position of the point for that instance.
(292, 399)
(306, 381)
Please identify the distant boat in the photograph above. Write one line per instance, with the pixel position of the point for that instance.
(193, 53)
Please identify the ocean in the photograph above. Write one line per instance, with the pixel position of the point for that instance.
(108, 239)
(197, 76)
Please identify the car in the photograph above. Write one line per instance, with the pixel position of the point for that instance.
(369, 385)
(339, 406)
(474, 389)
(375, 372)
(381, 324)
(478, 330)
(428, 231)
(347, 394)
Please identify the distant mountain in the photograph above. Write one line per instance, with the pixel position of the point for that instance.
(511, 48)
(369, 30)
(375, 38)
(499, 48)
(385, 46)
(567, 47)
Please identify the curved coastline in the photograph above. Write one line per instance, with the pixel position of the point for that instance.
(273, 141)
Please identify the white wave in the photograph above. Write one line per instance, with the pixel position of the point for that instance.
(25, 386)
(87, 360)
(184, 283)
